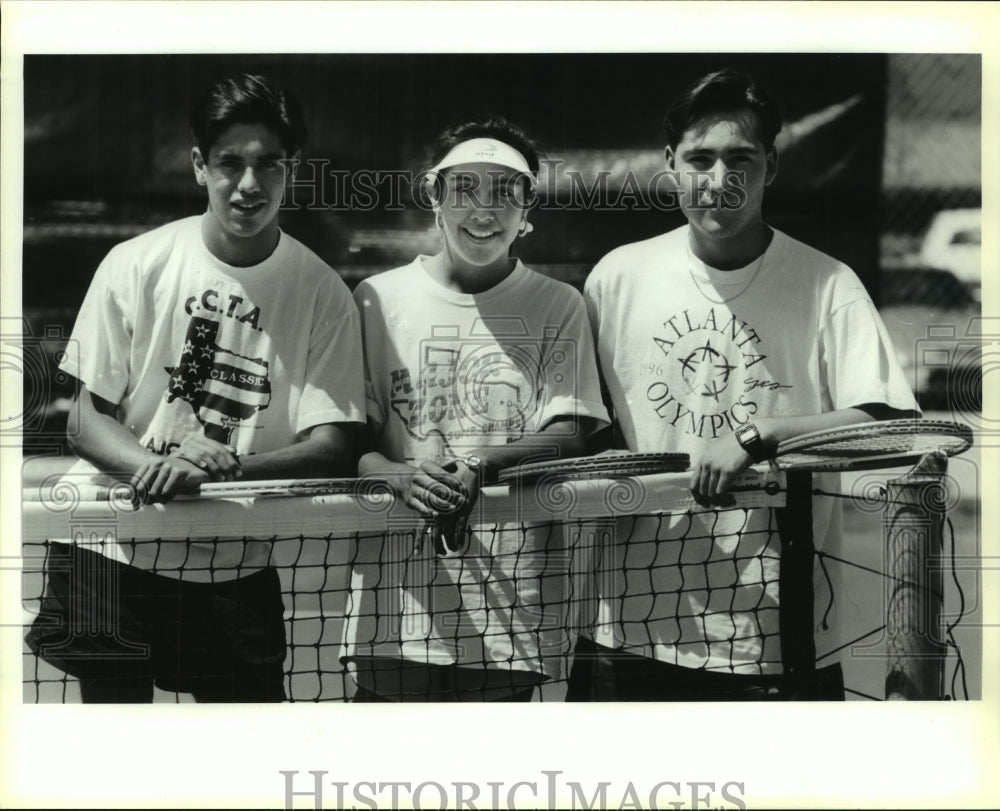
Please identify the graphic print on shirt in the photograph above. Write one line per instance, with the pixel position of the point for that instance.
(472, 389)
(708, 368)
(222, 387)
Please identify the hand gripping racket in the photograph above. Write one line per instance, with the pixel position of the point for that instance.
(871, 445)
(450, 534)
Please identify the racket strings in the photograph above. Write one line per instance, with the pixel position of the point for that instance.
(616, 464)
(895, 438)
(889, 445)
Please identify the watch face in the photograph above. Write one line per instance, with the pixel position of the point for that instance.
(749, 438)
(474, 463)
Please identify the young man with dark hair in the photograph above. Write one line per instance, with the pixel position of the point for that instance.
(213, 348)
(720, 339)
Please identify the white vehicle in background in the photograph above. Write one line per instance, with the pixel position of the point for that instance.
(936, 327)
(954, 241)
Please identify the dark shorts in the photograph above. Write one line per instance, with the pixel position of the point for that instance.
(101, 620)
(605, 674)
(382, 679)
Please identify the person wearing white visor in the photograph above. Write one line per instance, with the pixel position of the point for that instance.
(481, 191)
(474, 363)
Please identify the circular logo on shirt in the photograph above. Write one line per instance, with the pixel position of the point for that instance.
(497, 387)
(706, 367)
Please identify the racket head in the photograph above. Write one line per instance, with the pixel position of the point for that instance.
(599, 466)
(872, 445)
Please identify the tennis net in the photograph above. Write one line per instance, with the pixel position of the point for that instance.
(368, 600)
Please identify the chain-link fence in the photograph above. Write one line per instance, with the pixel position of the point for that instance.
(932, 146)
(932, 225)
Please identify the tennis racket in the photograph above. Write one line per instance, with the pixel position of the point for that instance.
(123, 492)
(276, 487)
(600, 466)
(871, 445)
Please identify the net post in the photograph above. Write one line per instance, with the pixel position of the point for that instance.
(795, 602)
(912, 533)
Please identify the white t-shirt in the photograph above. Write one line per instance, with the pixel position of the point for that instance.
(689, 353)
(185, 343)
(446, 373)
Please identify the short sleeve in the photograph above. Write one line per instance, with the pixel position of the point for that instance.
(860, 363)
(575, 391)
(592, 300)
(371, 336)
(99, 349)
(333, 388)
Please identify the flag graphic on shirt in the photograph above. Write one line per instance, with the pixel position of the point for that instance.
(222, 387)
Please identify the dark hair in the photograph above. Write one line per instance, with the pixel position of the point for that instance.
(248, 99)
(724, 90)
(488, 126)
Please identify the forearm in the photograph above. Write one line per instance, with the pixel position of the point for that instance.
(712, 472)
(94, 434)
(374, 463)
(560, 439)
(774, 430)
(326, 453)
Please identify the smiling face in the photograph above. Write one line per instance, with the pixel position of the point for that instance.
(723, 169)
(245, 178)
(482, 208)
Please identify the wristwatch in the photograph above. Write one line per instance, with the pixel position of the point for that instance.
(474, 463)
(749, 438)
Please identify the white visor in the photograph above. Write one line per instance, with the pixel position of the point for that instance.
(484, 150)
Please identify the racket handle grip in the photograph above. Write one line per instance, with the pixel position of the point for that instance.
(450, 535)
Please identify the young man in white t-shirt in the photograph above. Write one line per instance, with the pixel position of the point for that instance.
(720, 339)
(214, 348)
